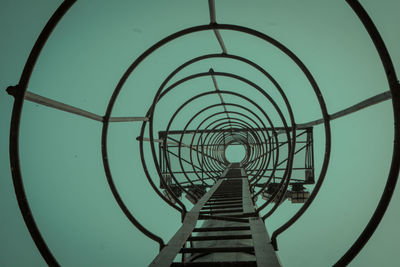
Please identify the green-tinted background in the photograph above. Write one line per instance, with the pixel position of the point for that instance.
(82, 63)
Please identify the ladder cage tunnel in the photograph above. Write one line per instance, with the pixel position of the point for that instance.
(201, 143)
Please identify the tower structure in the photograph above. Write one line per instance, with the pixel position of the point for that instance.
(224, 227)
(230, 201)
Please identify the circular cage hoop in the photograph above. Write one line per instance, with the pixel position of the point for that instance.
(19, 91)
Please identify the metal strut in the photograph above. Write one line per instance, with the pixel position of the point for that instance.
(232, 233)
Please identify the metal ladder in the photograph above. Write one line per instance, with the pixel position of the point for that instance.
(232, 233)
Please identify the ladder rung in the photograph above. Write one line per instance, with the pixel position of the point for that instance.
(216, 264)
(217, 249)
(227, 197)
(237, 190)
(221, 211)
(228, 218)
(215, 204)
(243, 215)
(218, 237)
(219, 203)
(222, 199)
(223, 207)
(217, 229)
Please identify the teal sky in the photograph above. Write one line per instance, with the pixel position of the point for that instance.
(88, 53)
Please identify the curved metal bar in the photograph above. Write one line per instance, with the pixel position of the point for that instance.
(236, 58)
(233, 105)
(180, 108)
(119, 86)
(241, 59)
(218, 126)
(220, 26)
(239, 138)
(144, 165)
(173, 176)
(324, 111)
(291, 144)
(190, 153)
(162, 94)
(395, 164)
(315, 191)
(194, 134)
(179, 154)
(260, 35)
(18, 93)
(230, 104)
(158, 169)
(240, 123)
(115, 192)
(184, 131)
(117, 196)
(207, 93)
(185, 128)
(245, 81)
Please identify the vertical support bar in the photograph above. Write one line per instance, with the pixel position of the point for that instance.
(169, 252)
(264, 252)
(211, 7)
(213, 20)
(202, 157)
(248, 206)
(222, 100)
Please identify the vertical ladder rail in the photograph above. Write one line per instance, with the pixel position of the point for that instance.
(169, 252)
(265, 253)
(230, 197)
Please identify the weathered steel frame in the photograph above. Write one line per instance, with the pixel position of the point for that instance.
(19, 91)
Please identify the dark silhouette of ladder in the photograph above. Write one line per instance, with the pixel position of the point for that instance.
(232, 233)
